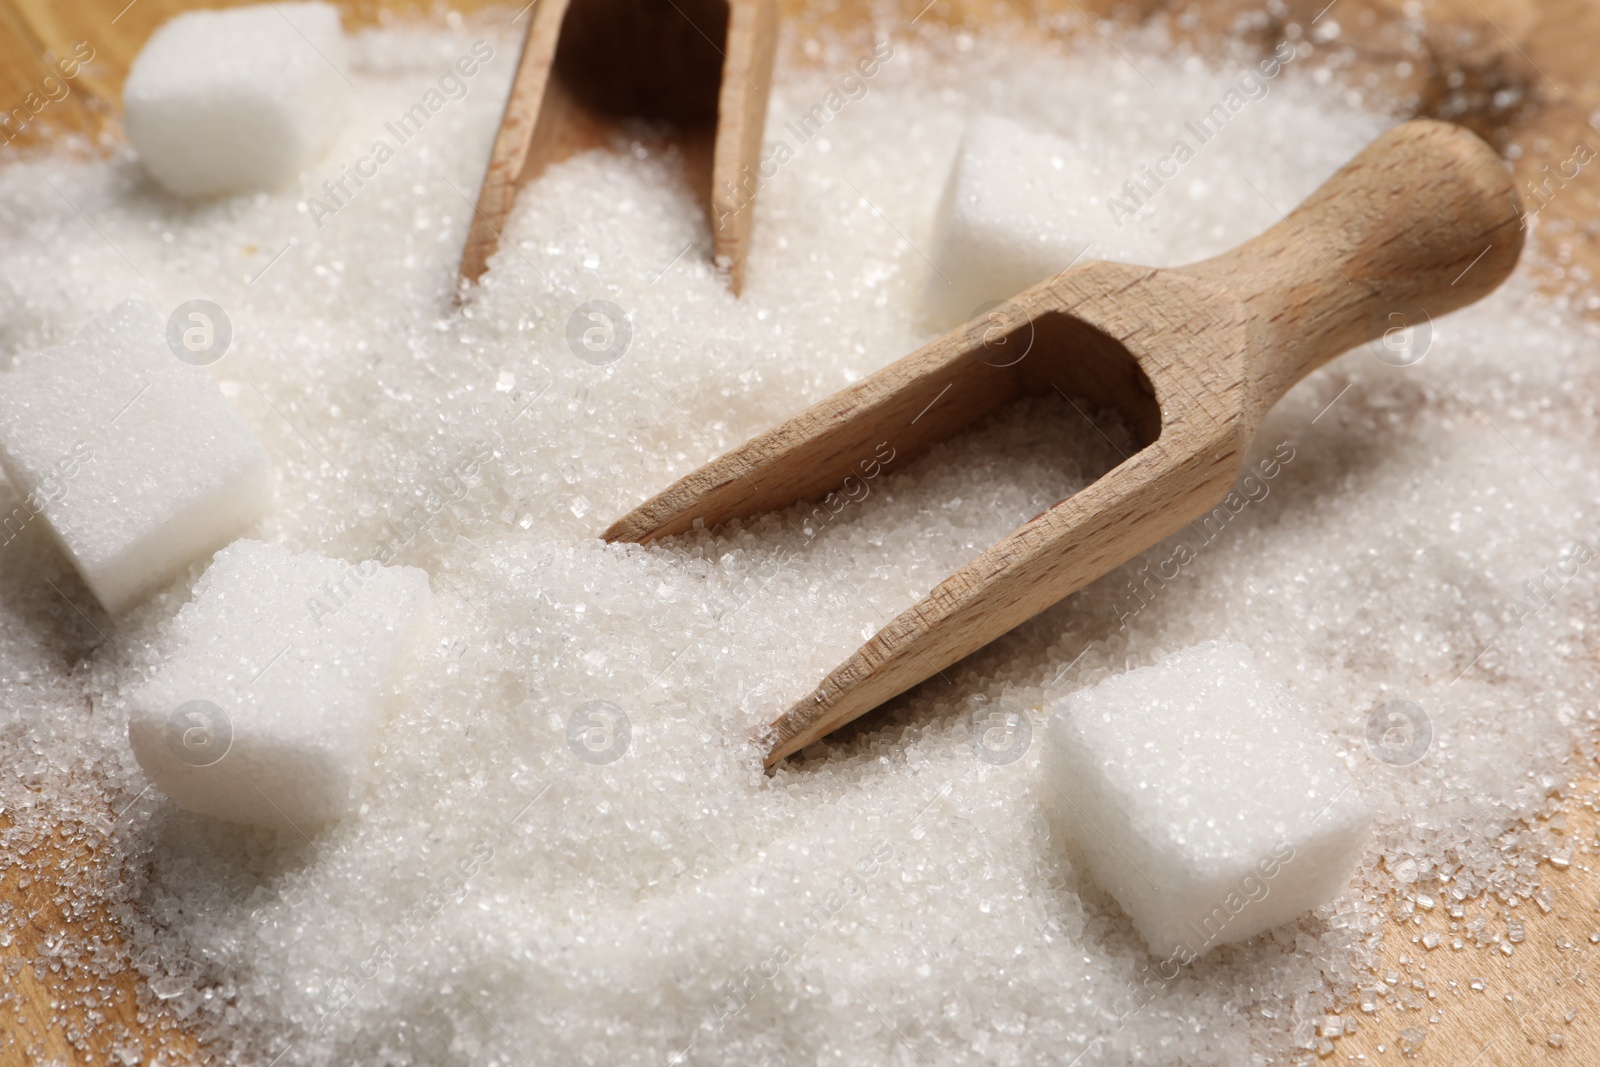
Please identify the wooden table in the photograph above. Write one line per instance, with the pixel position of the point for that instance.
(1513, 72)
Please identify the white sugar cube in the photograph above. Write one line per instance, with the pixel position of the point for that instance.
(1013, 213)
(131, 456)
(268, 707)
(1202, 799)
(239, 100)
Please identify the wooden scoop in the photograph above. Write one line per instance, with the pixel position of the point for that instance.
(1423, 221)
(701, 66)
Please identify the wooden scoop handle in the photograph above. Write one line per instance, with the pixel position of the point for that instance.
(1425, 220)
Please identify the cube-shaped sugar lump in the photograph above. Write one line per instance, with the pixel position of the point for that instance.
(1018, 207)
(1202, 799)
(133, 458)
(238, 100)
(276, 684)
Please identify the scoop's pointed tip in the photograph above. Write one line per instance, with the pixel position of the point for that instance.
(466, 285)
(475, 255)
(803, 722)
(776, 755)
(779, 741)
(632, 528)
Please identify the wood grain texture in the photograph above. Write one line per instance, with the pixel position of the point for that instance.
(1424, 216)
(1518, 73)
(52, 1010)
(1500, 1002)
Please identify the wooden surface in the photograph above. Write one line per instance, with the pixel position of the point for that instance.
(551, 115)
(1519, 74)
(1480, 1006)
(1424, 215)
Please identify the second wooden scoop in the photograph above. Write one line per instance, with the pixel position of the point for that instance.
(701, 67)
(1423, 221)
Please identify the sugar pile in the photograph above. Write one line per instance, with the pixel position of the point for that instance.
(568, 852)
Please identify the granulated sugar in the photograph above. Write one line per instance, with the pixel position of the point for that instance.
(568, 852)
